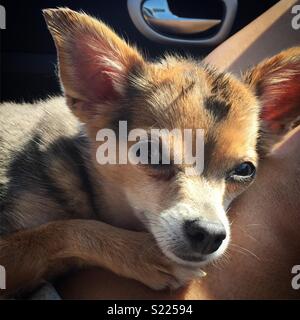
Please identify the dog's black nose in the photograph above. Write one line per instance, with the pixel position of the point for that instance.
(205, 236)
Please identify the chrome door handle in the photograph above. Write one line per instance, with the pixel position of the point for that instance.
(154, 19)
(158, 15)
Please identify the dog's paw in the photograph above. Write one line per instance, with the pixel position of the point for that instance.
(185, 274)
(171, 276)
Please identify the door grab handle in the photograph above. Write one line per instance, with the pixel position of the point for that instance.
(151, 17)
(158, 15)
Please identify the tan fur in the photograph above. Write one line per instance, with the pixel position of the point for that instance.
(105, 81)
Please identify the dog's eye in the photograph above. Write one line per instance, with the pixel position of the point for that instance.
(155, 153)
(149, 152)
(243, 172)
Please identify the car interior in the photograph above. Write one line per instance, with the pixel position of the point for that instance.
(214, 31)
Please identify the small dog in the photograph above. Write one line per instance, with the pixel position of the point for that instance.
(60, 208)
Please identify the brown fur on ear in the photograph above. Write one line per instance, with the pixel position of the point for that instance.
(93, 60)
(276, 82)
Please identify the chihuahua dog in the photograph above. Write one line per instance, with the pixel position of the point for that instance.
(60, 208)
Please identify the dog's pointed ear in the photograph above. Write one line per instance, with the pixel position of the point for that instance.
(276, 83)
(93, 61)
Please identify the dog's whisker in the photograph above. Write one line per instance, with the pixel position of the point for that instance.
(245, 250)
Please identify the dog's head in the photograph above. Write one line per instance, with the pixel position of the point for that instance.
(105, 81)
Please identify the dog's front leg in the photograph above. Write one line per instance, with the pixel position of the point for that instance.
(32, 255)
